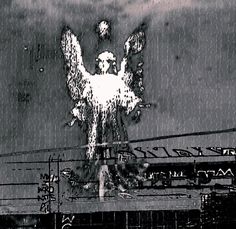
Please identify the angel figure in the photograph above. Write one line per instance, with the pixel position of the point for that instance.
(99, 97)
(102, 96)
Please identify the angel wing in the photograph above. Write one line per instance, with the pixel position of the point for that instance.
(131, 66)
(77, 74)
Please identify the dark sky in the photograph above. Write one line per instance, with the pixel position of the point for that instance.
(190, 68)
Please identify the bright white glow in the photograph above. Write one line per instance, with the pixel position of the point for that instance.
(103, 94)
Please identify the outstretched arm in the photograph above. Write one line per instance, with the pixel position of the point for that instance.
(123, 65)
(126, 75)
(124, 62)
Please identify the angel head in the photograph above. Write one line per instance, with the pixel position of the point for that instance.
(106, 61)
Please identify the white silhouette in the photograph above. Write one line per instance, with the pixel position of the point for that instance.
(98, 97)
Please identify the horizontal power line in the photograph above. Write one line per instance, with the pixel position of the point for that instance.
(59, 149)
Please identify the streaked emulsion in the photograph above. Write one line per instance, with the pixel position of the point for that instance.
(100, 97)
